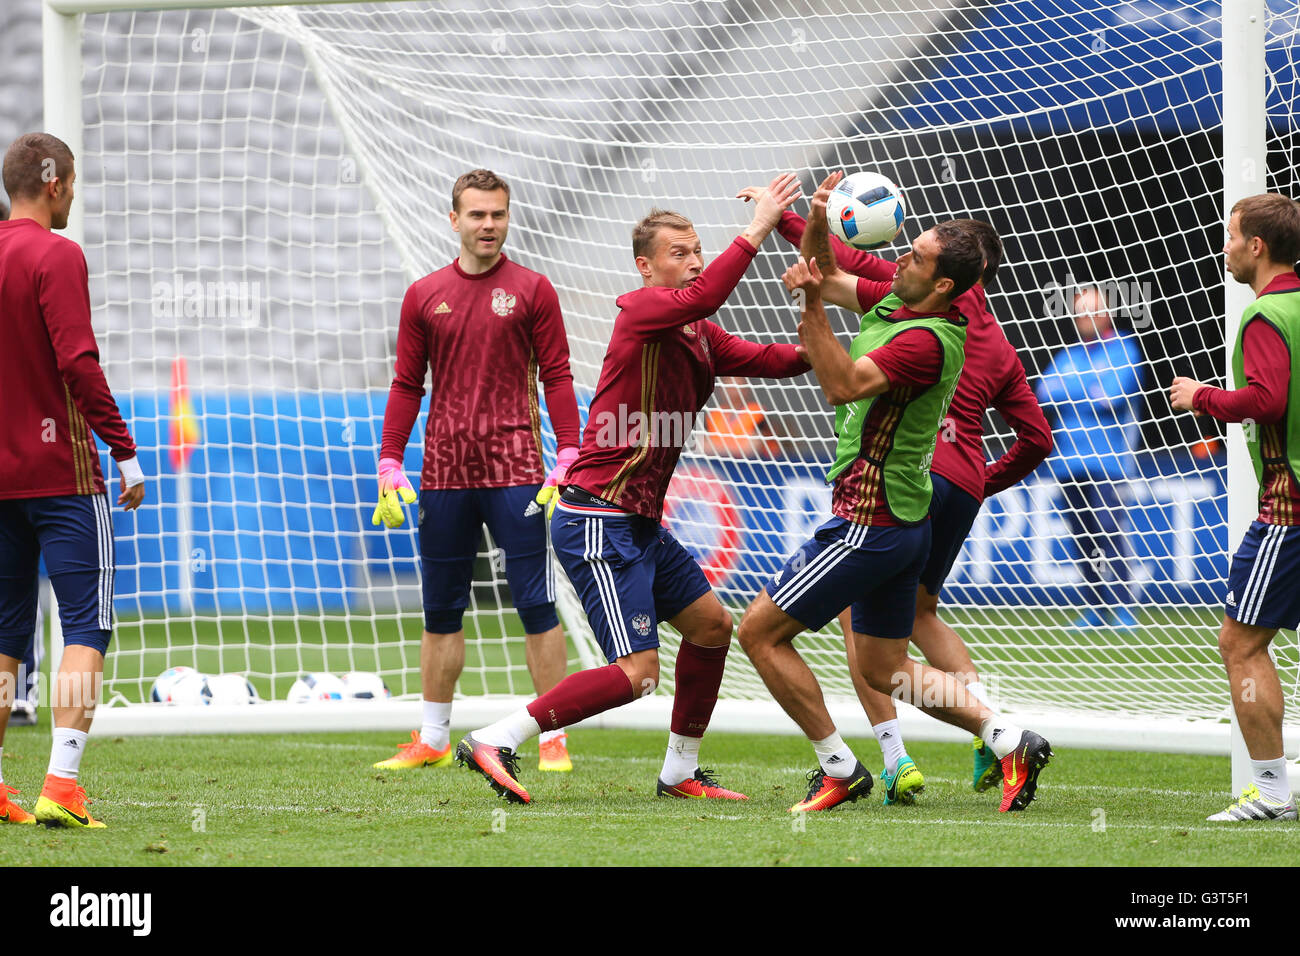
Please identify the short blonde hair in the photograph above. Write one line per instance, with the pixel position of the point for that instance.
(645, 231)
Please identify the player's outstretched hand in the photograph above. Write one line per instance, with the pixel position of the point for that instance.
(778, 196)
(394, 489)
(823, 193)
(549, 493)
(132, 495)
(1181, 392)
(804, 277)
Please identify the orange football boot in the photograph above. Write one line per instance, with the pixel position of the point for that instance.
(500, 765)
(1020, 770)
(825, 792)
(702, 786)
(10, 812)
(63, 804)
(416, 754)
(554, 754)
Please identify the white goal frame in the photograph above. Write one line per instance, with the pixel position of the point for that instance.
(1244, 161)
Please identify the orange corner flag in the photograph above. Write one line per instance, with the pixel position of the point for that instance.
(184, 424)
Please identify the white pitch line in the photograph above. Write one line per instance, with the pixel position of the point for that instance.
(268, 808)
(759, 818)
(580, 758)
(1053, 785)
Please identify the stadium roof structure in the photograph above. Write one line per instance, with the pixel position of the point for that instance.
(1054, 65)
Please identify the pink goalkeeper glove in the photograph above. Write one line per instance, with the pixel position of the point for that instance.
(550, 490)
(392, 487)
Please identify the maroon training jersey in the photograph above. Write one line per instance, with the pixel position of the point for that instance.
(992, 377)
(854, 261)
(54, 389)
(657, 374)
(486, 338)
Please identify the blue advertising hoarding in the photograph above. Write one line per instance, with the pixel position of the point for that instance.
(282, 486)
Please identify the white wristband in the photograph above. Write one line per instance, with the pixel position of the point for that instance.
(131, 471)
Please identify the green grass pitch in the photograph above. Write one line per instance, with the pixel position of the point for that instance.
(313, 799)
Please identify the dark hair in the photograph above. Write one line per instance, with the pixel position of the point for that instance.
(961, 256)
(483, 179)
(645, 231)
(990, 245)
(33, 160)
(1276, 220)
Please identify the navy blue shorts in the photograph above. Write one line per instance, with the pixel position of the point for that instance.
(952, 514)
(74, 533)
(874, 570)
(629, 571)
(1262, 582)
(450, 533)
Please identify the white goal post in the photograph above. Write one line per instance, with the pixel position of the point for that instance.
(258, 184)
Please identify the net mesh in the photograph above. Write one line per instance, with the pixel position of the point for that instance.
(262, 184)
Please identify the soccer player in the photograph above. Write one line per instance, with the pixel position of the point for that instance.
(630, 572)
(23, 710)
(488, 328)
(52, 496)
(992, 377)
(1262, 251)
(891, 394)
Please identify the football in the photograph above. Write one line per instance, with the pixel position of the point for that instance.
(865, 210)
(228, 689)
(313, 688)
(360, 685)
(178, 685)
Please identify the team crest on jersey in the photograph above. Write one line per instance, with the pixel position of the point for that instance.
(641, 624)
(503, 303)
(688, 329)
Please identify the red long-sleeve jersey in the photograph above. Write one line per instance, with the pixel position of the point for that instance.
(657, 375)
(1267, 363)
(992, 377)
(487, 338)
(54, 390)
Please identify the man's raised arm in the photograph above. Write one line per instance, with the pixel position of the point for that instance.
(842, 380)
(837, 286)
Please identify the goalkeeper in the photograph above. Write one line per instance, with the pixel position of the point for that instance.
(488, 328)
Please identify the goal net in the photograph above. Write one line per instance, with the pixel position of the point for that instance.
(261, 185)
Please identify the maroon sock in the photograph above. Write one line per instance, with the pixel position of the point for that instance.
(582, 695)
(698, 676)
